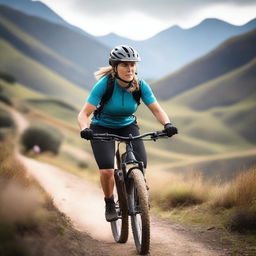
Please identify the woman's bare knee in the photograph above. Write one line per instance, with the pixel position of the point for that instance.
(107, 173)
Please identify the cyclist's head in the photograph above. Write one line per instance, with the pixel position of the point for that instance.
(123, 53)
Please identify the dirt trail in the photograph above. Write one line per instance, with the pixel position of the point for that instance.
(83, 203)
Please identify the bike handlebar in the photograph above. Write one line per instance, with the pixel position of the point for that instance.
(108, 136)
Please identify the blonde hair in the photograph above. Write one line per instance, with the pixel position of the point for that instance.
(109, 70)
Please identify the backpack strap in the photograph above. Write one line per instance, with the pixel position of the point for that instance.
(137, 95)
(106, 96)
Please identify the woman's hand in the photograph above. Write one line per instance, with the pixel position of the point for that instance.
(86, 133)
(170, 129)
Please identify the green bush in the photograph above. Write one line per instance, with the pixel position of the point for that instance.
(5, 99)
(180, 198)
(242, 220)
(47, 138)
(83, 164)
(6, 119)
(7, 77)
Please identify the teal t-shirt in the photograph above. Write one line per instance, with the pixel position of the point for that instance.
(118, 111)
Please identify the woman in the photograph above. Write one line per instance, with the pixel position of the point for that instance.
(116, 116)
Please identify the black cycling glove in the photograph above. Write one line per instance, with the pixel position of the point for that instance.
(170, 129)
(86, 133)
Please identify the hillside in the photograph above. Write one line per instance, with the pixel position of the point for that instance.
(223, 59)
(81, 55)
(38, 77)
(225, 90)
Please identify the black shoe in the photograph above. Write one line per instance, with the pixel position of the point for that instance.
(110, 213)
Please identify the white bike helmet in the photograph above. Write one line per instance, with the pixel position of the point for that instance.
(123, 53)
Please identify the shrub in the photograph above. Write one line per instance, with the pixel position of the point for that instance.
(5, 99)
(7, 77)
(242, 220)
(48, 139)
(82, 164)
(6, 119)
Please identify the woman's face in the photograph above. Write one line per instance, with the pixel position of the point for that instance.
(126, 70)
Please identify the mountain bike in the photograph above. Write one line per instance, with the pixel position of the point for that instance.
(132, 191)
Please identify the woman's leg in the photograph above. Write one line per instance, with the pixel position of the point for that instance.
(104, 153)
(107, 181)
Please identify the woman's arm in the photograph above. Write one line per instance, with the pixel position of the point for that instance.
(84, 114)
(159, 113)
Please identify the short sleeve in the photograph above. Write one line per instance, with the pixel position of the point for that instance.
(97, 92)
(147, 95)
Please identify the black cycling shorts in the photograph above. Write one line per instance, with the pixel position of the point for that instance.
(104, 151)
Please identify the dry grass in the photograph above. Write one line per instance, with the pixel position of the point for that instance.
(181, 191)
(240, 196)
(241, 192)
(232, 205)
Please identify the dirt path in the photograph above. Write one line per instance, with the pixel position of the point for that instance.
(83, 203)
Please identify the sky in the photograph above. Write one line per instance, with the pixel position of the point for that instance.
(141, 19)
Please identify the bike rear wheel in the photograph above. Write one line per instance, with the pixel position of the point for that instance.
(138, 201)
(120, 227)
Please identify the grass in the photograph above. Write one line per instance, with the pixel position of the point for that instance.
(241, 192)
(193, 200)
(180, 191)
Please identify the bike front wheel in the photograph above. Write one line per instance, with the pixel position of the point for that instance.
(120, 227)
(139, 207)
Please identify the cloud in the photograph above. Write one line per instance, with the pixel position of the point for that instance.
(132, 18)
(161, 9)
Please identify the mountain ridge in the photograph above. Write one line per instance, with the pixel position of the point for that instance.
(175, 47)
(221, 60)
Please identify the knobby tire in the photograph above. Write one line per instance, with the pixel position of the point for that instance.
(120, 227)
(140, 220)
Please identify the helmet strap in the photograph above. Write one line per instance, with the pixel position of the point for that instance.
(118, 77)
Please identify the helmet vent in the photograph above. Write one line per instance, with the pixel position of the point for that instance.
(126, 51)
(121, 54)
(116, 56)
(133, 53)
